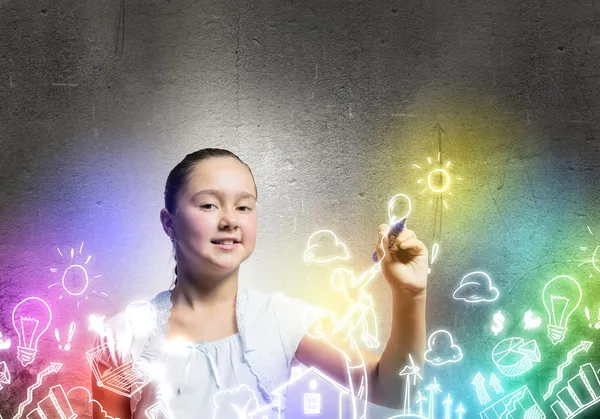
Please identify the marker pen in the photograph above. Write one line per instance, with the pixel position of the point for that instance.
(392, 234)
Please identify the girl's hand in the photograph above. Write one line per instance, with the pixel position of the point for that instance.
(405, 265)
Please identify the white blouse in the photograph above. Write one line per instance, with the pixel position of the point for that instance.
(181, 380)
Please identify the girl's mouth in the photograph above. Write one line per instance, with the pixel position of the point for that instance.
(226, 244)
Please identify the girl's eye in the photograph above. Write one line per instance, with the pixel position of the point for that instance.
(248, 208)
(205, 205)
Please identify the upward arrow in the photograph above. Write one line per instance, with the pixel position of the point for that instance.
(482, 393)
(479, 379)
(495, 383)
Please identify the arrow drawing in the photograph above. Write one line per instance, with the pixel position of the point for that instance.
(482, 393)
(583, 346)
(54, 367)
(495, 383)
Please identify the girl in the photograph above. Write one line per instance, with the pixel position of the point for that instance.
(243, 337)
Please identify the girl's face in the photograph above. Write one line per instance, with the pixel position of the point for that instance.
(219, 202)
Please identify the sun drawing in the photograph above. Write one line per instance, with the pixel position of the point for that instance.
(438, 179)
(74, 279)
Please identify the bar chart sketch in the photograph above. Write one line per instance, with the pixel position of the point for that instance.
(579, 394)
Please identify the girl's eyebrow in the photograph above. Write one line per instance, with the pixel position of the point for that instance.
(242, 194)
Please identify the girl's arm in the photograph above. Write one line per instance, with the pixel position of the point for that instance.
(113, 404)
(405, 268)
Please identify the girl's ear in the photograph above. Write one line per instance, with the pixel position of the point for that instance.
(167, 223)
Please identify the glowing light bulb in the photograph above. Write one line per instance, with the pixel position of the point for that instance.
(561, 296)
(399, 207)
(31, 318)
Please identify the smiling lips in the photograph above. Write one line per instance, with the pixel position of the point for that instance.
(226, 243)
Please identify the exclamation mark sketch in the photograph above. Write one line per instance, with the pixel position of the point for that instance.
(67, 347)
(587, 315)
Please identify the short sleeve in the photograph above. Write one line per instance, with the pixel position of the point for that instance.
(294, 317)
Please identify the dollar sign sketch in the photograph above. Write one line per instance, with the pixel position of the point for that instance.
(498, 322)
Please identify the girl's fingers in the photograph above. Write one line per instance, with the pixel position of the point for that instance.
(413, 245)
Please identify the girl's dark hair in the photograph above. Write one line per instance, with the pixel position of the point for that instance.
(181, 173)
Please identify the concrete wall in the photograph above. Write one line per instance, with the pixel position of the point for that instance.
(331, 103)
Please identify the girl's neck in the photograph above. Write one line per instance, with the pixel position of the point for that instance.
(194, 291)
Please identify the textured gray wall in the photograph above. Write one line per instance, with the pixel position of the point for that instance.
(331, 103)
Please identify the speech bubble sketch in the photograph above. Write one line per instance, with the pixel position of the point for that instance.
(519, 404)
(54, 405)
(53, 368)
(587, 316)
(323, 246)
(360, 313)
(30, 318)
(67, 346)
(531, 320)
(4, 343)
(408, 372)
(581, 392)
(514, 356)
(126, 379)
(441, 349)
(4, 374)
(498, 320)
(74, 279)
(476, 287)
(583, 346)
(561, 296)
(88, 401)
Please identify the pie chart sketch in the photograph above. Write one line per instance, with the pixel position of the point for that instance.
(514, 356)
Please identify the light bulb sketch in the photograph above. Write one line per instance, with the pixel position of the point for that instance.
(74, 279)
(31, 318)
(561, 296)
